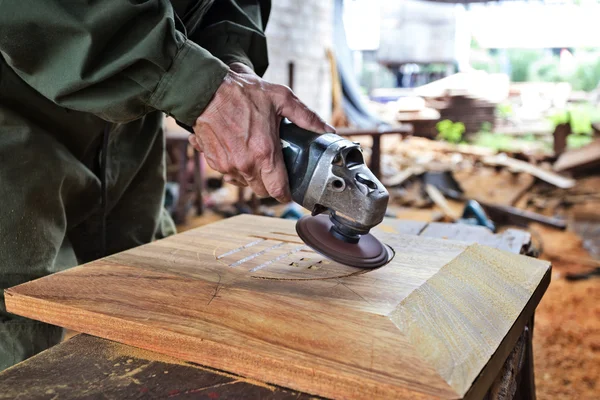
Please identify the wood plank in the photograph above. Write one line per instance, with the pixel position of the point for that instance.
(86, 367)
(334, 331)
(493, 187)
(522, 166)
(586, 157)
(512, 240)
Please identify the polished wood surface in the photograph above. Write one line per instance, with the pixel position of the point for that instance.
(245, 295)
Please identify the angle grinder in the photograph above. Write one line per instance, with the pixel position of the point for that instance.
(328, 176)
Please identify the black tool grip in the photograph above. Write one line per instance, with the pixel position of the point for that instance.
(295, 144)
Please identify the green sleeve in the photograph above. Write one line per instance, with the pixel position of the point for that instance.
(117, 59)
(233, 30)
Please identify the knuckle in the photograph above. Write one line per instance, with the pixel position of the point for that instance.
(284, 91)
(244, 165)
(278, 192)
(264, 154)
(249, 177)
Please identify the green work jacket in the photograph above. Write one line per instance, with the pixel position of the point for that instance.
(122, 59)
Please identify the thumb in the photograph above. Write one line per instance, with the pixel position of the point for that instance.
(293, 109)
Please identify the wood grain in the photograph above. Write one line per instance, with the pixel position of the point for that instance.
(87, 367)
(244, 295)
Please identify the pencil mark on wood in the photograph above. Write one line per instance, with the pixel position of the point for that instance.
(297, 241)
(217, 289)
(348, 287)
(285, 234)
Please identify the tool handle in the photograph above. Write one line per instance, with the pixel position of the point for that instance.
(295, 143)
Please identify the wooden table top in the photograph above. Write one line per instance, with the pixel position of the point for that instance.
(280, 241)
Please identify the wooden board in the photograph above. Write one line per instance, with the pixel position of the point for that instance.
(246, 296)
(87, 367)
(493, 187)
(586, 157)
(522, 166)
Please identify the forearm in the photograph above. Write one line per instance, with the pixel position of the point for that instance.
(112, 58)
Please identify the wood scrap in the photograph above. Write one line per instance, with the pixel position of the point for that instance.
(491, 186)
(581, 159)
(512, 215)
(402, 176)
(338, 116)
(438, 198)
(522, 166)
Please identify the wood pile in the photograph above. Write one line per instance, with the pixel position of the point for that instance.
(471, 111)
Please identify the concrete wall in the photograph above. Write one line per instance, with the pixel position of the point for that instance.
(300, 31)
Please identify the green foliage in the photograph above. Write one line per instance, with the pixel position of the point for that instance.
(450, 131)
(520, 61)
(559, 117)
(579, 116)
(491, 67)
(486, 126)
(546, 69)
(508, 143)
(494, 141)
(575, 141)
(586, 76)
(504, 110)
(535, 65)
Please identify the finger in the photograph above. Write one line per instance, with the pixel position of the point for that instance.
(235, 181)
(275, 179)
(256, 184)
(194, 142)
(291, 107)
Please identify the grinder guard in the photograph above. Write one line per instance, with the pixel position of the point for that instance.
(327, 172)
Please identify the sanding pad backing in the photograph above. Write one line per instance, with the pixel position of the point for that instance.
(367, 253)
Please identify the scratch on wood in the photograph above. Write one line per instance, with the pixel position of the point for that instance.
(278, 258)
(348, 287)
(297, 241)
(202, 389)
(217, 289)
(253, 256)
(422, 229)
(240, 248)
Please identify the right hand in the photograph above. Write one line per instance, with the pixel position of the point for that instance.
(238, 132)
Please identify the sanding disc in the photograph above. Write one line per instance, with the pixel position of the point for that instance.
(367, 253)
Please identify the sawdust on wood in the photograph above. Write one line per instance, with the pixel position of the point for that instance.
(116, 351)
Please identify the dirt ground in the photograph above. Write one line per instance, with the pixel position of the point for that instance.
(567, 322)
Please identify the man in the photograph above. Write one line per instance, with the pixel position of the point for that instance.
(83, 89)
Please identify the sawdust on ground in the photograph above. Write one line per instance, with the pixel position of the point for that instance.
(567, 323)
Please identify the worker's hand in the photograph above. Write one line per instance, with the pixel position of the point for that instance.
(239, 131)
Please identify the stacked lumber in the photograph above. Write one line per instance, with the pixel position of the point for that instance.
(471, 111)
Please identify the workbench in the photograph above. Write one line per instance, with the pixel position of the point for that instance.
(89, 367)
